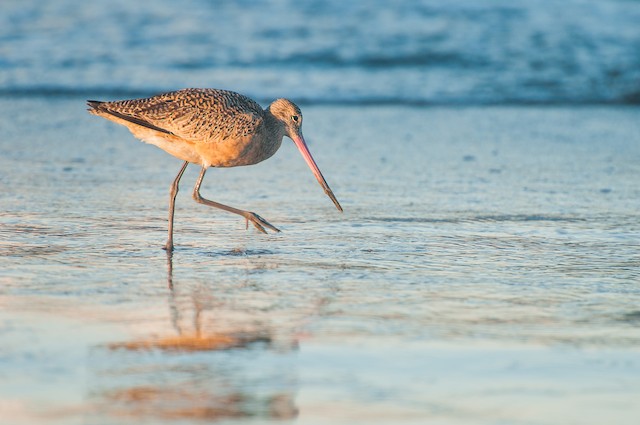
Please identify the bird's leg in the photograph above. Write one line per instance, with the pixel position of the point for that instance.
(254, 218)
(172, 205)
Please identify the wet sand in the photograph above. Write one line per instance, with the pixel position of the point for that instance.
(485, 270)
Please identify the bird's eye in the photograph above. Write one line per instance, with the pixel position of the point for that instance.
(295, 118)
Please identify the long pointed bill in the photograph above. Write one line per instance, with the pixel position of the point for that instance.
(304, 150)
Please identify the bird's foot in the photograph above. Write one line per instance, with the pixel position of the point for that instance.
(259, 222)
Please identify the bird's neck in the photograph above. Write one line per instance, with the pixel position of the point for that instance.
(275, 127)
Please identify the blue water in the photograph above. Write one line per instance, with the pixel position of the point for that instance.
(416, 52)
(485, 270)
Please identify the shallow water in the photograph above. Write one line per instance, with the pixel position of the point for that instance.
(486, 269)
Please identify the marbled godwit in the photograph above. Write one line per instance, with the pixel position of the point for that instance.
(212, 128)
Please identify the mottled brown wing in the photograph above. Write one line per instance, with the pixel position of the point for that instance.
(198, 115)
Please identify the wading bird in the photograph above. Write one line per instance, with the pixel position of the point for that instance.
(212, 128)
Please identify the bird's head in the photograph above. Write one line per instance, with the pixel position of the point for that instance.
(290, 117)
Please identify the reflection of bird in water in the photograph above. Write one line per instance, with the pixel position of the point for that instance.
(212, 128)
(207, 386)
(200, 338)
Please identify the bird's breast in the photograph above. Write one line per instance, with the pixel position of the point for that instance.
(234, 152)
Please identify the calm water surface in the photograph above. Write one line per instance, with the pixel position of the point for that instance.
(486, 270)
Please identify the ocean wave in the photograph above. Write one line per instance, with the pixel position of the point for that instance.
(415, 53)
(113, 93)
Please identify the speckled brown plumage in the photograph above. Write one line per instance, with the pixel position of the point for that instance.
(199, 115)
(212, 128)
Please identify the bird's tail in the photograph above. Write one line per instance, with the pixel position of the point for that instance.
(94, 105)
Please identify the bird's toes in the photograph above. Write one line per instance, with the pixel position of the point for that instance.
(267, 224)
(259, 227)
(260, 223)
(255, 220)
(275, 229)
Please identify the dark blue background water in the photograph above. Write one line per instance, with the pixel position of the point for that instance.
(426, 51)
